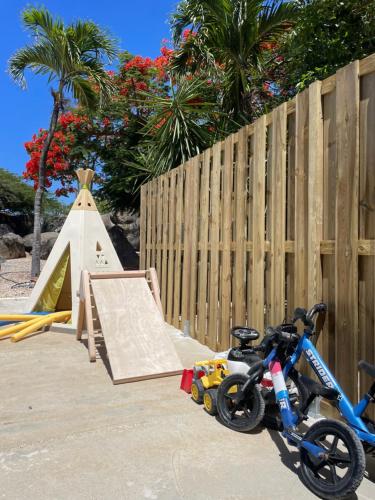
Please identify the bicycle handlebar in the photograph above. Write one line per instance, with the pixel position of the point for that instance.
(307, 316)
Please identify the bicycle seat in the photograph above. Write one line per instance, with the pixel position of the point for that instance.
(319, 389)
(367, 368)
(244, 334)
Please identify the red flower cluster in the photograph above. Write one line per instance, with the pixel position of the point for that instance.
(161, 62)
(188, 33)
(68, 119)
(57, 164)
(142, 64)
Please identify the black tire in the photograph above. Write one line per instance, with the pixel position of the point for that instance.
(241, 416)
(345, 453)
(197, 391)
(210, 401)
(298, 394)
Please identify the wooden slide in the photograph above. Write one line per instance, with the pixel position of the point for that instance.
(130, 318)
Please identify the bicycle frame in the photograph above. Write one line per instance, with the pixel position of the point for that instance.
(352, 414)
(288, 416)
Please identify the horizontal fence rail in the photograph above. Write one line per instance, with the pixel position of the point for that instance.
(278, 215)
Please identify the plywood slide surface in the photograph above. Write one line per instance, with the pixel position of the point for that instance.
(135, 334)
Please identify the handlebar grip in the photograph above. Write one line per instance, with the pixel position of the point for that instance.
(300, 313)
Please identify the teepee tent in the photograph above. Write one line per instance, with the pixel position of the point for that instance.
(83, 243)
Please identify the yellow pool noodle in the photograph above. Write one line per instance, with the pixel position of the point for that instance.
(18, 317)
(19, 326)
(44, 321)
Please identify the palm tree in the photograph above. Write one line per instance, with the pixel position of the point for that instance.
(228, 37)
(182, 124)
(72, 56)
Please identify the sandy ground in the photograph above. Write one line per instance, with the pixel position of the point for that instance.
(67, 433)
(15, 278)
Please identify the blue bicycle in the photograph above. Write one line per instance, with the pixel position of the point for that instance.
(331, 452)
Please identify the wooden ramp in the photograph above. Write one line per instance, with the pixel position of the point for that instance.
(131, 321)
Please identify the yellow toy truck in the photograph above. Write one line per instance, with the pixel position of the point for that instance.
(207, 376)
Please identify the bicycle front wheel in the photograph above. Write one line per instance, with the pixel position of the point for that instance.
(240, 412)
(340, 471)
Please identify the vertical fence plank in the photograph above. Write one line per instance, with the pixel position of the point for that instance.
(278, 165)
(159, 224)
(226, 272)
(258, 226)
(214, 246)
(177, 264)
(301, 207)
(164, 274)
(290, 213)
(367, 227)
(347, 123)
(186, 270)
(171, 252)
(142, 227)
(153, 221)
(194, 244)
(239, 313)
(149, 224)
(203, 247)
(329, 225)
(315, 195)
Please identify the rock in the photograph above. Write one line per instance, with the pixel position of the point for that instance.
(131, 232)
(5, 229)
(47, 241)
(11, 246)
(125, 251)
(53, 224)
(107, 220)
(19, 224)
(125, 217)
(28, 242)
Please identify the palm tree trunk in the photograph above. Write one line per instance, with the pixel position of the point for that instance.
(35, 261)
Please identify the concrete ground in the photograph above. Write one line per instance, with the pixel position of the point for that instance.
(67, 433)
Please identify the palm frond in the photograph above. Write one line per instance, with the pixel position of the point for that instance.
(73, 55)
(41, 23)
(38, 58)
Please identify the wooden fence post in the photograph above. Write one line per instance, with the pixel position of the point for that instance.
(278, 165)
(142, 228)
(258, 226)
(347, 137)
(315, 195)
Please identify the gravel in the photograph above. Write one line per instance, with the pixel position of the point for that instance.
(15, 271)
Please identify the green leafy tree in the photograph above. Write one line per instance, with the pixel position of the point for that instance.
(328, 35)
(71, 56)
(227, 39)
(16, 197)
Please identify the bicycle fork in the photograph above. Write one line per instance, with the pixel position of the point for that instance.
(288, 416)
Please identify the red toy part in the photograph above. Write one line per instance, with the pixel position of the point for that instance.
(186, 380)
(265, 382)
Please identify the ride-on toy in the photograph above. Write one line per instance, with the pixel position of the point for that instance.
(331, 453)
(208, 375)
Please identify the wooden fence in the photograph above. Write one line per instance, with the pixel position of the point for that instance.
(278, 215)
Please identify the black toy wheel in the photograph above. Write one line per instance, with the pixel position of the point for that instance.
(197, 391)
(210, 401)
(238, 411)
(340, 471)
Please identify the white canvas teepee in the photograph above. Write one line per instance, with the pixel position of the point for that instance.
(83, 243)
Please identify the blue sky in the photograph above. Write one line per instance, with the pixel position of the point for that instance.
(138, 25)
